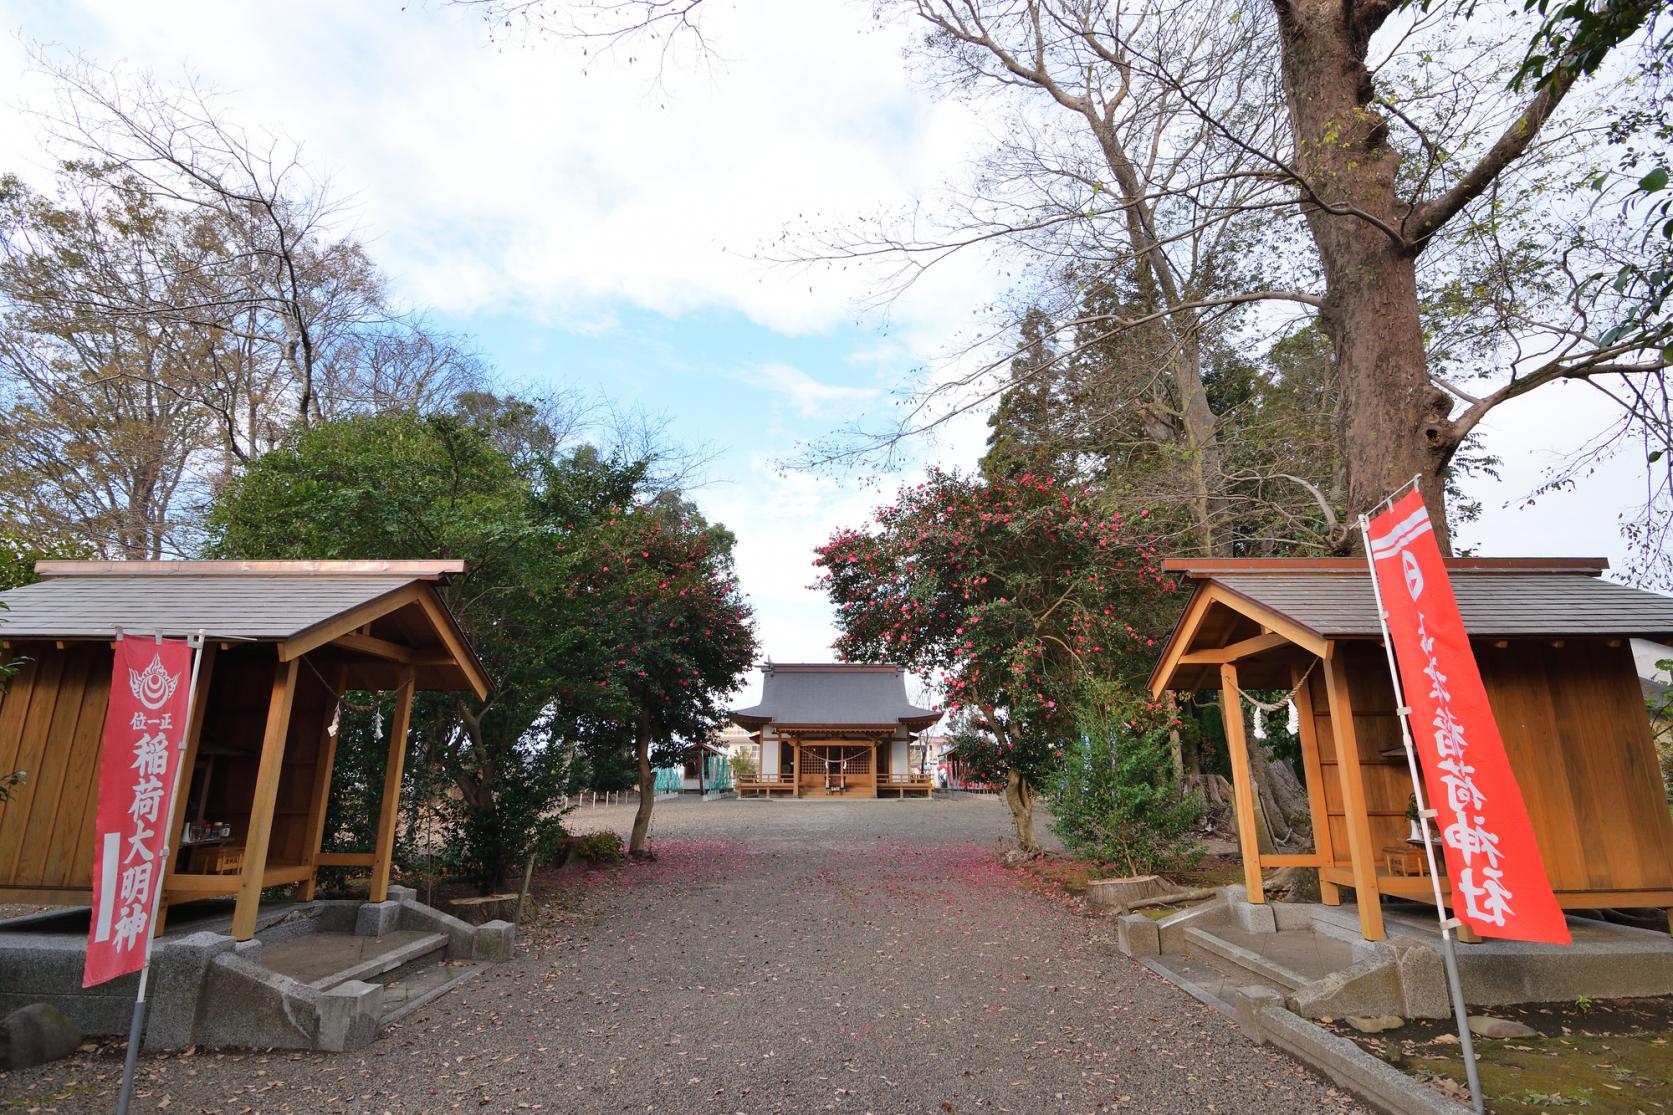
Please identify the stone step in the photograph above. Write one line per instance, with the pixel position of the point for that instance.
(1206, 979)
(412, 960)
(1208, 944)
(405, 991)
(324, 960)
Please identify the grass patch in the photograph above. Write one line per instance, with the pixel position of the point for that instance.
(1609, 1075)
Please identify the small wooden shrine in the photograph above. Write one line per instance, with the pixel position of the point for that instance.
(1551, 638)
(283, 641)
(834, 729)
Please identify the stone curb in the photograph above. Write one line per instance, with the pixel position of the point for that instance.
(1262, 1015)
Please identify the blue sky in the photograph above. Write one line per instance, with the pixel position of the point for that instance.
(595, 231)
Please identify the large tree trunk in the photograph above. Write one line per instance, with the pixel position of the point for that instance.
(637, 844)
(1020, 797)
(1391, 418)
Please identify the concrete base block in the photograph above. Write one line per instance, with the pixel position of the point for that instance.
(377, 919)
(338, 915)
(1292, 915)
(1252, 918)
(1422, 982)
(1250, 1002)
(1137, 935)
(207, 989)
(247, 1005)
(1626, 966)
(350, 1015)
(46, 968)
(1370, 986)
(177, 975)
(493, 941)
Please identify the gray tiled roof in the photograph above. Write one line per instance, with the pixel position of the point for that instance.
(1504, 604)
(249, 607)
(833, 694)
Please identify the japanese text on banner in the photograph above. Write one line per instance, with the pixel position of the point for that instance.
(144, 722)
(1499, 884)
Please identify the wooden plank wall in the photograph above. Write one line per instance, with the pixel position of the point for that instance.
(1387, 784)
(1578, 736)
(51, 719)
(1575, 729)
(51, 723)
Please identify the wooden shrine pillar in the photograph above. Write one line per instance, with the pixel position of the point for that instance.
(1312, 766)
(1360, 851)
(266, 795)
(324, 764)
(795, 765)
(389, 805)
(1243, 786)
(180, 816)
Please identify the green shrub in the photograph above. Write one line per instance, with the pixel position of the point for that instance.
(1115, 799)
(600, 848)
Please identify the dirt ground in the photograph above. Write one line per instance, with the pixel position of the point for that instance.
(777, 957)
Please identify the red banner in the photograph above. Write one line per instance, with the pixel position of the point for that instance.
(1499, 885)
(149, 708)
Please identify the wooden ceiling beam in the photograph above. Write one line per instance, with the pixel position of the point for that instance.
(1272, 640)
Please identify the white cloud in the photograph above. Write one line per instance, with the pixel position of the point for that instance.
(502, 177)
(810, 397)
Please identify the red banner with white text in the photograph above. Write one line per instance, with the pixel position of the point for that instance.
(149, 707)
(1499, 885)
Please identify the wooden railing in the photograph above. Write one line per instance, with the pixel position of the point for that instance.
(903, 782)
(766, 783)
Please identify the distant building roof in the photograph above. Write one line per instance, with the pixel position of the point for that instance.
(292, 603)
(834, 695)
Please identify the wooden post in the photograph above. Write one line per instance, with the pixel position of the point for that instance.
(389, 805)
(1360, 851)
(178, 817)
(326, 761)
(263, 802)
(795, 765)
(1329, 893)
(1243, 786)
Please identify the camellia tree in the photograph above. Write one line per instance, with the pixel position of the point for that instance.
(1015, 592)
(661, 616)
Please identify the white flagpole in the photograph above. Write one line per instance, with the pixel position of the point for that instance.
(1449, 955)
(136, 1028)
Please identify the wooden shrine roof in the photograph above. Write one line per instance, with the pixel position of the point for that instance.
(1317, 600)
(834, 695)
(299, 605)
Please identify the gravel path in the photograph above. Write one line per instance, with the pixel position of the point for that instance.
(777, 957)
